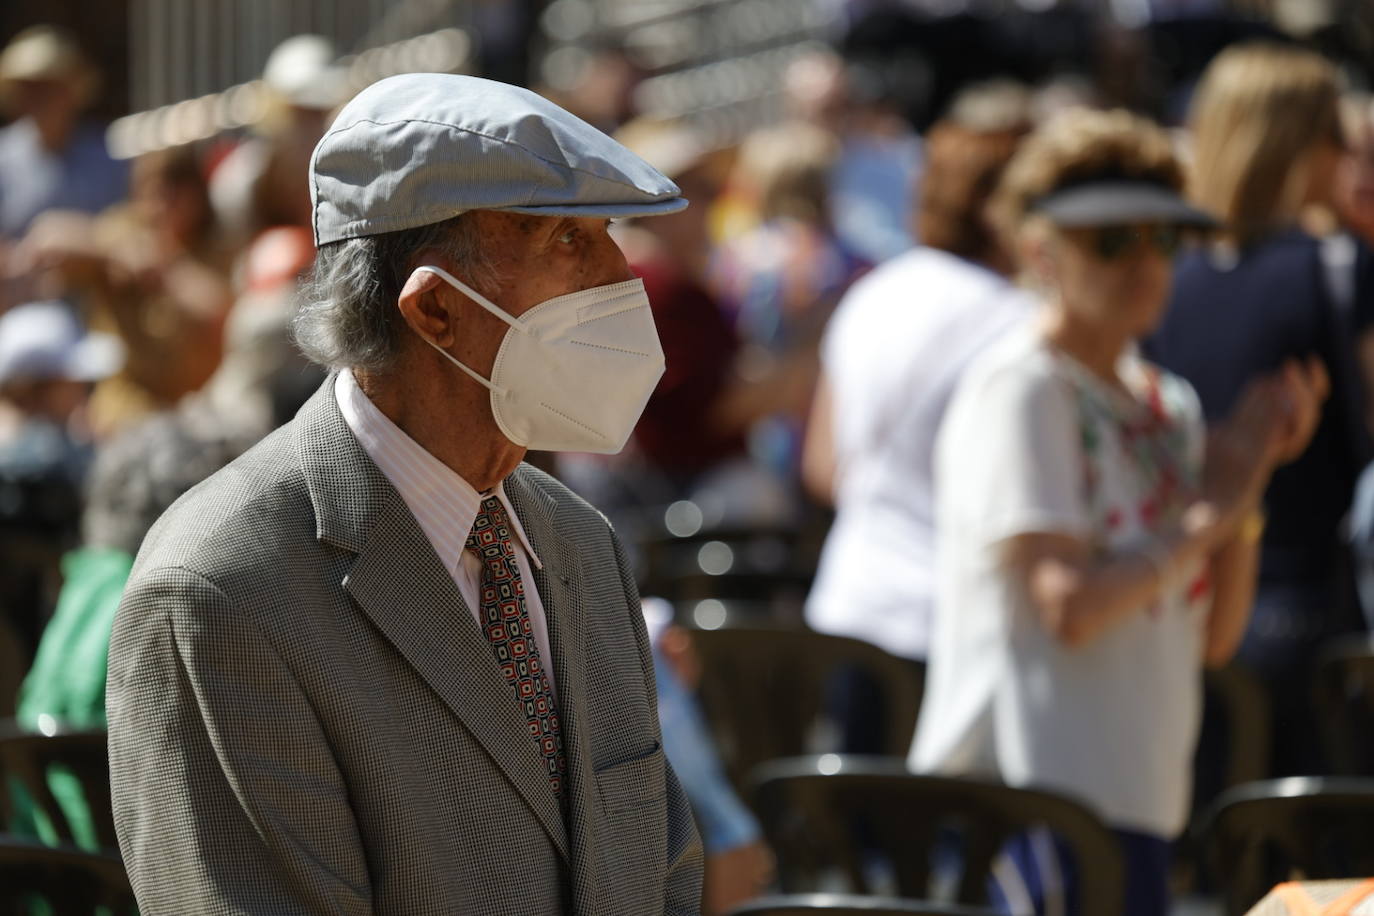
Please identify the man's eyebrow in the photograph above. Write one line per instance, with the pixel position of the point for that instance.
(554, 227)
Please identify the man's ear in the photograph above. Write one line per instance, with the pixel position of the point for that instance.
(426, 309)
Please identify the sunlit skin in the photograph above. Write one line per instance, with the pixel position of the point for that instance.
(174, 210)
(1355, 183)
(536, 258)
(1324, 160)
(56, 400)
(53, 105)
(1101, 304)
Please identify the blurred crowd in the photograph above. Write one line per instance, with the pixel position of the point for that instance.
(819, 304)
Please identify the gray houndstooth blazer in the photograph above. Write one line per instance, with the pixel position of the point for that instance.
(305, 718)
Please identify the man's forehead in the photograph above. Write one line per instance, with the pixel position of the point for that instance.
(521, 224)
(532, 226)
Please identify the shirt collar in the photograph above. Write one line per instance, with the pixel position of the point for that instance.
(444, 504)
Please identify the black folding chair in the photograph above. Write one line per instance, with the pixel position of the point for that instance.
(783, 592)
(1343, 692)
(13, 664)
(686, 558)
(831, 817)
(850, 905)
(1233, 749)
(70, 881)
(1263, 833)
(1244, 705)
(763, 689)
(27, 758)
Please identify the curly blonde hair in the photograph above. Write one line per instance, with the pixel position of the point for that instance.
(1079, 145)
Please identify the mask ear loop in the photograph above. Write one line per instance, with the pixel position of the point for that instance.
(474, 295)
(486, 304)
(485, 383)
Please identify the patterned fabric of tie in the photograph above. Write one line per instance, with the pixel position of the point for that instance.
(506, 622)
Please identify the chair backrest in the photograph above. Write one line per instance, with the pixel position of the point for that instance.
(691, 562)
(1343, 691)
(1263, 833)
(827, 817)
(851, 905)
(28, 759)
(783, 593)
(763, 690)
(73, 882)
(13, 664)
(1245, 707)
(714, 613)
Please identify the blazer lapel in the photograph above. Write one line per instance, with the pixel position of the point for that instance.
(400, 583)
(560, 593)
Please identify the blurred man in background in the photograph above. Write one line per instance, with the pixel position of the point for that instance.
(48, 363)
(263, 181)
(49, 158)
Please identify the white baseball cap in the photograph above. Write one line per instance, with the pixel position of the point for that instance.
(44, 340)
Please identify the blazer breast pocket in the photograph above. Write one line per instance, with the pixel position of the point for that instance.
(634, 783)
(633, 847)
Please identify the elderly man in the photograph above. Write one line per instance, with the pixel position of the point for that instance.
(378, 665)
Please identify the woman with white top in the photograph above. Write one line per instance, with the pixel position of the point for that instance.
(890, 358)
(1096, 544)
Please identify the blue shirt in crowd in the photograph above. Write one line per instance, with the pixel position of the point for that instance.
(724, 821)
(81, 177)
(1228, 323)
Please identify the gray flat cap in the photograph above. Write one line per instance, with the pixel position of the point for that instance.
(420, 148)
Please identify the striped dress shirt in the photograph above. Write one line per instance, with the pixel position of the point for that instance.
(443, 503)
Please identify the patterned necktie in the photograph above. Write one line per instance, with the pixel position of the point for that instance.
(506, 621)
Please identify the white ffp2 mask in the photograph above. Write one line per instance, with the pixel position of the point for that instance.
(573, 373)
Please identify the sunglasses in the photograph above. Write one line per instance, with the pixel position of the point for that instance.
(1112, 242)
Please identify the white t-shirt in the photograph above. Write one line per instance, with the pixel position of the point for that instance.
(892, 353)
(1034, 442)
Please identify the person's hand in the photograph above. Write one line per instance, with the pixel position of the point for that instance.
(735, 876)
(58, 240)
(1306, 387)
(676, 647)
(1271, 425)
(1241, 454)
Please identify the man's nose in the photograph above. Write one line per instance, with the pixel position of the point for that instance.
(615, 268)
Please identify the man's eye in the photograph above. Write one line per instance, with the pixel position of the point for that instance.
(567, 237)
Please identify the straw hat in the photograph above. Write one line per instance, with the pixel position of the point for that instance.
(43, 52)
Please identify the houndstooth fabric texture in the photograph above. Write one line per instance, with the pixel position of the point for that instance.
(304, 718)
(508, 629)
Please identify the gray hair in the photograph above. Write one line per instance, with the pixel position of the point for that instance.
(346, 315)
